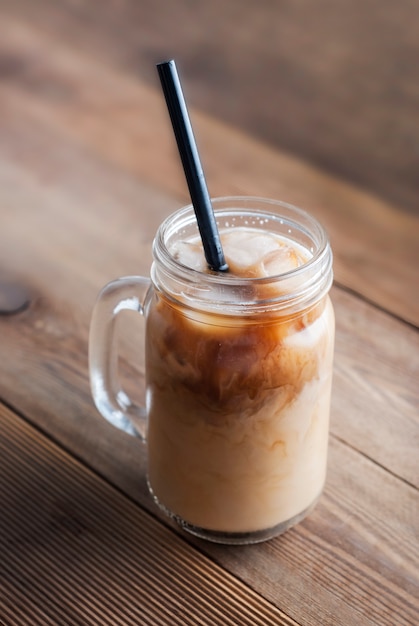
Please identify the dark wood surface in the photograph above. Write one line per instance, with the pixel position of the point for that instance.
(334, 83)
(88, 169)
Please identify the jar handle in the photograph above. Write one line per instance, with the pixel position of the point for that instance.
(127, 293)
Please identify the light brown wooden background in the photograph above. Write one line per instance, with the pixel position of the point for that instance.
(333, 82)
(88, 169)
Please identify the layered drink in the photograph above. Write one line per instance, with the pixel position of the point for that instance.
(238, 388)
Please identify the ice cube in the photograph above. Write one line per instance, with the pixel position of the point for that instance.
(245, 250)
(190, 254)
(279, 261)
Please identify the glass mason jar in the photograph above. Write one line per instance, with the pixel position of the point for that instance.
(238, 376)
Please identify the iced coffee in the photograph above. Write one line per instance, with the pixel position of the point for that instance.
(239, 382)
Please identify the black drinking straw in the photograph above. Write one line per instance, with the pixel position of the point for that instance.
(195, 178)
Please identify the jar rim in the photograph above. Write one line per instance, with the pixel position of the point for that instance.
(282, 214)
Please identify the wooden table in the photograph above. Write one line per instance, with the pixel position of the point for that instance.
(88, 169)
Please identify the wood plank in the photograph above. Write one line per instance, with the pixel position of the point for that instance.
(333, 83)
(355, 546)
(74, 550)
(123, 122)
(83, 226)
(356, 557)
(62, 526)
(69, 200)
(375, 402)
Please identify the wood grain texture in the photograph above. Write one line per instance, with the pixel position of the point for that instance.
(334, 83)
(368, 516)
(54, 97)
(88, 169)
(341, 566)
(68, 237)
(74, 551)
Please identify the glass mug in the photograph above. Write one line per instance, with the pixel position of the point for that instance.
(238, 371)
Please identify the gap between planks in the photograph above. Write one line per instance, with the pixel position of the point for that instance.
(102, 558)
